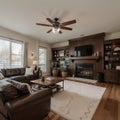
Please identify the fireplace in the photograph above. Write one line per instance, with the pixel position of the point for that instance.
(84, 70)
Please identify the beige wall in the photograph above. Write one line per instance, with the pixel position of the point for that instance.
(32, 45)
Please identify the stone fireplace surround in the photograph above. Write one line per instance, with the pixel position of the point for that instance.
(97, 42)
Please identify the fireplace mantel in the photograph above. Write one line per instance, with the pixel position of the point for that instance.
(85, 58)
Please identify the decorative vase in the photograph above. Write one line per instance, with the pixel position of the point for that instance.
(64, 74)
(55, 73)
(43, 79)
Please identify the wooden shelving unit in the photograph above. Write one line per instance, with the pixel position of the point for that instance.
(112, 61)
(60, 58)
(111, 54)
(59, 54)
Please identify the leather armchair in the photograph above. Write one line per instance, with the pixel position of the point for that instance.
(31, 107)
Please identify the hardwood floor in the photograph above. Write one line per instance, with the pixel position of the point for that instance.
(109, 107)
(54, 116)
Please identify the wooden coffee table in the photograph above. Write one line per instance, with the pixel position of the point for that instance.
(49, 82)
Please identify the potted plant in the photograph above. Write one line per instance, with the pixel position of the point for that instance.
(64, 72)
(55, 72)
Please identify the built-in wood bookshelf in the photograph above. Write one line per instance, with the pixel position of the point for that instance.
(112, 60)
(60, 58)
(60, 54)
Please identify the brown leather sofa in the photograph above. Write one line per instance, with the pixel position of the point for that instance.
(18, 74)
(34, 106)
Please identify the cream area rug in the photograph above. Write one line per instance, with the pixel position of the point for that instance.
(78, 101)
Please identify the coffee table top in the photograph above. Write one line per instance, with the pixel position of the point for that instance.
(48, 81)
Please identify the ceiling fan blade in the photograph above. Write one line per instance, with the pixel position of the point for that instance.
(68, 22)
(65, 28)
(60, 32)
(49, 20)
(49, 31)
(44, 24)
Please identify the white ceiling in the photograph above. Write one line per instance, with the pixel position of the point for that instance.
(93, 16)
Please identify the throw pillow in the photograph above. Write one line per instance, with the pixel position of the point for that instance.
(29, 71)
(23, 88)
(1, 76)
(8, 92)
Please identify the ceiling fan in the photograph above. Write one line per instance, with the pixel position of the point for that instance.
(57, 26)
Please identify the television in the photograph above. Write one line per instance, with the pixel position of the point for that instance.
(86, 50)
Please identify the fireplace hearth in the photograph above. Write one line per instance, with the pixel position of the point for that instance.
(84, 71)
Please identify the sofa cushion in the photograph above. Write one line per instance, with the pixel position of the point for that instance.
(23, 88)
(20, 78)
(22, 71)
(8, 91)
(12, 72)
(31, 77)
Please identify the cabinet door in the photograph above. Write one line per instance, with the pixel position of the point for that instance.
(118, 77)
(112, 76)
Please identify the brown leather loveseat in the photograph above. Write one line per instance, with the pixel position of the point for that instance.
(34, 106)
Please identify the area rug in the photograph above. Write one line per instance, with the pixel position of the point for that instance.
(78, 101)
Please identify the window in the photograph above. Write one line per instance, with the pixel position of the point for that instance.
(16, 55)
(42, 58)
(11, 53)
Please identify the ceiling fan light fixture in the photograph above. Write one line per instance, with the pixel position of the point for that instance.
(57, 26)
(55, 30)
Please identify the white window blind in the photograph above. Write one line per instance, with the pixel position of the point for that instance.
(11, 53)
